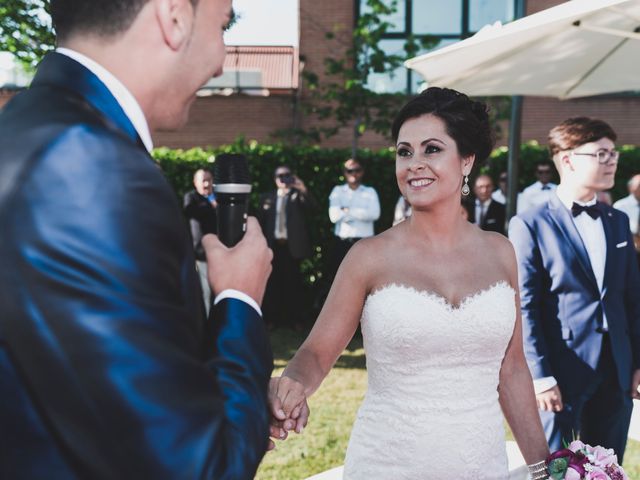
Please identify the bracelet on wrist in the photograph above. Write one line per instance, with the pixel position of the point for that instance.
(538, 471)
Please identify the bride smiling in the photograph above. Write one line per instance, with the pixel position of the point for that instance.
(437, 300)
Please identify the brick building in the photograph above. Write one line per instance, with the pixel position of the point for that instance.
(263, 89)
(217, 120)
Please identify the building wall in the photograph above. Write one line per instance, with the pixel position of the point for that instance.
(219, 120)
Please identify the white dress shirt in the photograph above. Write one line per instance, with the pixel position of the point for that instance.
(534, 195)
(631, 206)
(135, 114)
(593, 237)
(363, 209)
(498, 196)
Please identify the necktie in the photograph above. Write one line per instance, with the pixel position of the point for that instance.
(592, 210)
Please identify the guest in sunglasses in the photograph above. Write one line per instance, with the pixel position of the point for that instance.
(539, 192)
(283, 216)
(353, 209)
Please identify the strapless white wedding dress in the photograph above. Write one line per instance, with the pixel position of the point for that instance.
(431, 409)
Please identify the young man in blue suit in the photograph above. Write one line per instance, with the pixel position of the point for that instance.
(108, 367)
(580, 294)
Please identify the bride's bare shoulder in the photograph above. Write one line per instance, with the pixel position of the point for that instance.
(369, 253)
(496, 246)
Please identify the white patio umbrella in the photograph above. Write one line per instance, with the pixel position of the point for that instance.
(576, 49)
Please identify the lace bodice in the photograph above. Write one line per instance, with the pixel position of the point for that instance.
(431, 409)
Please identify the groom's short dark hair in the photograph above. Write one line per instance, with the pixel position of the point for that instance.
(97, 17)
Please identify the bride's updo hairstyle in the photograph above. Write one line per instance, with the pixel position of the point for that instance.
(467, 121)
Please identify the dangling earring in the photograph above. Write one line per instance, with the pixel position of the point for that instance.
(465, 188)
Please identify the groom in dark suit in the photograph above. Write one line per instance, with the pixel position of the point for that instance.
(108, 367)
(580, 294)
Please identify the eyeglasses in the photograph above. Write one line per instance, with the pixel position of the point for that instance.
(544, 172)
(603, 156)
(351, 171)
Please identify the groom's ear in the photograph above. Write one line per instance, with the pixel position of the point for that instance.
(175, 19)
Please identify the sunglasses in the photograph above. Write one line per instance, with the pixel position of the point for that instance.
(351, 171)
(544, 172)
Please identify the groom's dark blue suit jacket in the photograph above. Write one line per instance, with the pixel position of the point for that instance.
(562, 307)
(108, 368)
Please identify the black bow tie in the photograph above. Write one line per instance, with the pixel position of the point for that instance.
(592, 210)
(546, 187)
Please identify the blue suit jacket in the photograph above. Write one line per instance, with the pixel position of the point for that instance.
(562, 308)
(108, 368)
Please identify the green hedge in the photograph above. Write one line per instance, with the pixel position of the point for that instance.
(321, 169)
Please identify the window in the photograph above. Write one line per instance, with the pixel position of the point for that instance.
(397, 19)
(436, 17)
(447, 20)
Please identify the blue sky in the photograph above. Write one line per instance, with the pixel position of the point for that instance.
(264, 22)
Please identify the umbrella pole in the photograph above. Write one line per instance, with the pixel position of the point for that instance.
(515, 132)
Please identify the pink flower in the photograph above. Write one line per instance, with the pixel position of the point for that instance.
(576, 446)
(602, 457)
(596, 473)
(572, 474)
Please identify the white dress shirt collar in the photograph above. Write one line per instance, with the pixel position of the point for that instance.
(567, 199)
(122, 95)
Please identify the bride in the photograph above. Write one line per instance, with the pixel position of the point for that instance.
(437, 300)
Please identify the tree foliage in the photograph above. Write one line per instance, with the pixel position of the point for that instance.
(343, 98)
(25, 30)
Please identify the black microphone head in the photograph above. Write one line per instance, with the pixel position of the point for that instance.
(231, 168)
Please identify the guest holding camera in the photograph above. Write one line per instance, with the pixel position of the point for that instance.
(282, 216)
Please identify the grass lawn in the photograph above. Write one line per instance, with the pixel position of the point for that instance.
(333, 408)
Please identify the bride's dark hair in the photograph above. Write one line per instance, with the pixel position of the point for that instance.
(467, 121)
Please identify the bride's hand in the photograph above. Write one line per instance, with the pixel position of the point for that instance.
(288, 403)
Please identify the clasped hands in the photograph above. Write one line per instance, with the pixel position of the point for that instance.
(288, 407)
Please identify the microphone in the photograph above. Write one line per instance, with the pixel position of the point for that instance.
(232, 188)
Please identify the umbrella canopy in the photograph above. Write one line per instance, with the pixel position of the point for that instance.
(576, 49)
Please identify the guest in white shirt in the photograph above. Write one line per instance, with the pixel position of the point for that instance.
(539, 192)
(353, 208)
(631, 206)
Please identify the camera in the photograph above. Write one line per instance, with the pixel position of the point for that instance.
(288, 179)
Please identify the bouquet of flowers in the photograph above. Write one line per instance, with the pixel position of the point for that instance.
(583, 462)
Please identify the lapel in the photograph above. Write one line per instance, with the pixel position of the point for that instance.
(607, 219)
(61, 72)
(562, 218)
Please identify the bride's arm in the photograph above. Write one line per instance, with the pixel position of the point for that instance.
(331, 333)
(517, 397)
